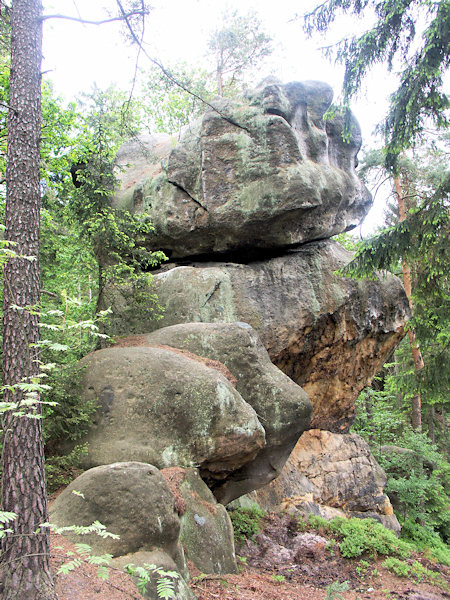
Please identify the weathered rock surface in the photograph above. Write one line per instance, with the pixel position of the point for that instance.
(167, 408)
(265, 171)
(282, 406)
(206, 529)
(131, 500)
(138, 160)
(329, 334)
(331, 475)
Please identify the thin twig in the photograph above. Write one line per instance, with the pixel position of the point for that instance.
(88, 22)
(8, 107)
(169, 75)
(53, 295)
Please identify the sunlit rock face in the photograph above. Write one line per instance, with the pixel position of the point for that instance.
(262, 171)
(331, 475)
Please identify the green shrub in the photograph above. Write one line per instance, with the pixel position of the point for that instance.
(361, 536)
(335, 589)
(73, 414)
(246, 522)
(397, 566)
(61, 470)
(319, 523)
(414, 570)
(426, 540)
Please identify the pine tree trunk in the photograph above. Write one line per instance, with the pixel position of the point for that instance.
(416, 402)
(25, 554)
(99, 307)
(369, 416)
(431, 431)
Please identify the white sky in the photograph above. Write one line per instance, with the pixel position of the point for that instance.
(77, 55)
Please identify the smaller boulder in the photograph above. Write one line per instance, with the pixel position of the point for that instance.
(206, 529)
(132, 500)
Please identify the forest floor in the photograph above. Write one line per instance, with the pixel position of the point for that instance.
(267, 572)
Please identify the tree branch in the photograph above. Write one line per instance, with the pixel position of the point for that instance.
(123, 17)
(169, 75)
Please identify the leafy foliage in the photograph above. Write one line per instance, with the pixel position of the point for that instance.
(165, 587)
(419, 482)
(362, 536)
(116, 237)
(5, 518)
(237, 47)
(61, 470)
(165, 106)
(334, 590)
(418, 473)
(413, 571)
(421, 240)
(246, 522)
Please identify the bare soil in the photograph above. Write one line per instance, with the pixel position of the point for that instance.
(277, 565)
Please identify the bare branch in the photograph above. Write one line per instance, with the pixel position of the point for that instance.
(87, 22)
(169, 75)
(8, 107)
(53, 295)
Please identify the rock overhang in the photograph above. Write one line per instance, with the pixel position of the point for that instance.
(263, 171)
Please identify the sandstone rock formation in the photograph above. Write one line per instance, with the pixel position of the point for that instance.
(264, 171)
(167, 407)
(282, 407)
(132, 500)
(331, 475)
(244, 205)
(155, 514)
(329, 334)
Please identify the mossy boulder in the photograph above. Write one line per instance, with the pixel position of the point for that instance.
(167, 408)
(132, 500)
(282, 406)
(261, 171)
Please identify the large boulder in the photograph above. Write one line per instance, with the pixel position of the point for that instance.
(132, 500)
(331, 475)
(167, 408)
(264, 171)
(206, 529)
(282, 407)
(328, 333)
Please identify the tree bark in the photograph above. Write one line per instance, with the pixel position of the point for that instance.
(416, 402)
(25, 553)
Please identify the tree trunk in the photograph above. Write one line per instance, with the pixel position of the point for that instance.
(416, 403)
(431, 431)
(369, 416)
(99, 307)
(25, 554)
